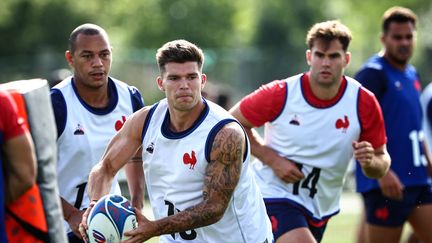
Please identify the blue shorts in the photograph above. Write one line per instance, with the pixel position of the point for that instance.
(285, 217)
(383, 211)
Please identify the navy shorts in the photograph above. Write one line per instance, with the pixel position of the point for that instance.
(383, 211)
(285, 217)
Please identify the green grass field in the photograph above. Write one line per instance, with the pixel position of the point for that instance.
(342, 227)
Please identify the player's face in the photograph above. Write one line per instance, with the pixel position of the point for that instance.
(399, 42)
(182, 84)
(327, 61)
(91, 60)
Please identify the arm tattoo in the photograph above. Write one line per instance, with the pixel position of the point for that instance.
(223, 171)
(136, 159)
(221, 178)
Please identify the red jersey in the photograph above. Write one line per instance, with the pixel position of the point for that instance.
(11, 125)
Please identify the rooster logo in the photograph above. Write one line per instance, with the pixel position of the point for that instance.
(119, 123)
(382, 213)
(274, 223)
(417, 85)
(190, 160)
(342, 124)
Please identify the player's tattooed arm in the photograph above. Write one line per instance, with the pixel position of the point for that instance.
(221, 178)
(135, 179)
(136, 159)
(223, 171)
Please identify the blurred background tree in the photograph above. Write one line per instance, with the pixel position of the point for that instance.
(247, 42)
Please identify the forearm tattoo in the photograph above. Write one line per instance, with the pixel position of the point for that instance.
(136, 159)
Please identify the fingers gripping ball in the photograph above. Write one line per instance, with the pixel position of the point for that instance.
(110, 217)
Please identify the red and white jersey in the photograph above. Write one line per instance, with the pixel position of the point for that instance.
(174, 167)
(318, 138)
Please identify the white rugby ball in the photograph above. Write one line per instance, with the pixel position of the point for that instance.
(110, 217)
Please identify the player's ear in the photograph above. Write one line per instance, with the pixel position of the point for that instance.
(347, 58)
(159, 81)
(68, 56)
(203, 80)
(308, 56)
(382, 38)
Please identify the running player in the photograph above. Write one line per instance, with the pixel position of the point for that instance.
(314, 123)
(404, 193)
(196, 159)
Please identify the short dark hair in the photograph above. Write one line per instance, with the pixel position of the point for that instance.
(179, 51)
(85, 29)
(328, 31)
(399, 15)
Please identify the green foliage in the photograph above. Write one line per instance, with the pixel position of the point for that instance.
(247, 42)
(30, 30)
(280, 37)
(364, 19)
(32, 25)
(206, 23)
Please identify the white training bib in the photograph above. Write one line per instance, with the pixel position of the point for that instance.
(175, 165)
(84, 140)
(320, 141)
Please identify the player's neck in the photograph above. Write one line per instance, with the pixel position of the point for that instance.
(182, 120)
(395, 63)
(94, 97)
(324, 92)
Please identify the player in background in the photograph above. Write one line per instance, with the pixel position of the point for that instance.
(89, 108)
(314, 123)
(404, 193)
(17, 157)
(425, 99)
(196, 160)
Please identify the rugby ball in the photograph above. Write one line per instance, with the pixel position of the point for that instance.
(110, 217)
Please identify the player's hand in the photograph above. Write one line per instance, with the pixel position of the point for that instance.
(287, 170)
(391, 186)
(74, 222)
(83, 227)
(146, 229)
(363, 153)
